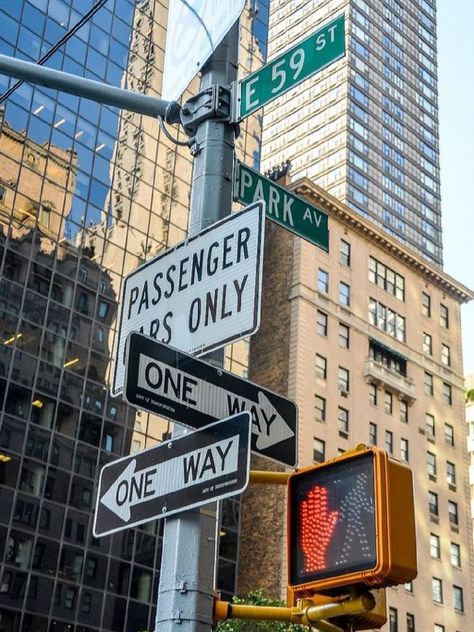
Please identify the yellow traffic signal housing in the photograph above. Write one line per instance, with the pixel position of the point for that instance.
(350, 523)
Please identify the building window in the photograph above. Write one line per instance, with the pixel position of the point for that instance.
(323, 281)
(404, 454)
(410, 622)
(321, 367)
(403, 411)
(373, 394)
(344, 294)
(343, 336)
(437, 589)
(433, 504)
(386, 278)
(70, 598)
(455, 553)
(451, 474)
(435, 549)
(388, 403)
(387, 358)
(321, 323)
(386, 320)
(458, 599)
(319, 408)
(393, 620)
(453, 513)
(372, 433)
(409, 587)
(319, 450)
(445, 355)
(343, 421)
(428, 384)
(86, 605)
(430, 428)
(449, 434)
(344, 253)
(447, 394)
(427, 344)
(426, 304)
(343, 379)
(103, 309)
(443, 316)
(438, 628)
(431, 465)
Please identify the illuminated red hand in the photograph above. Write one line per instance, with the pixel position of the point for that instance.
(317, 525)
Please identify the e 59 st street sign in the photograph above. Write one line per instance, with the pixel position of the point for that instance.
(289, 69)
(180, 474)
(282, 206)
(176, 385)
(200, 295)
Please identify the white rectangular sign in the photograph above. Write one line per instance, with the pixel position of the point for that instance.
(189, 471)
(200, 295)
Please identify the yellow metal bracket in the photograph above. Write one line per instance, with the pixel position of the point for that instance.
(304, 613)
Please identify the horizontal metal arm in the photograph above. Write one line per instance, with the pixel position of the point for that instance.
(89, 89)
(314, 616)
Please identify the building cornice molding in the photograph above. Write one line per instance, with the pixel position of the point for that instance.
(45, 151)
(346, 215)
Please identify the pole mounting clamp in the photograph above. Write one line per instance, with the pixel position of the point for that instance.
(211, 103)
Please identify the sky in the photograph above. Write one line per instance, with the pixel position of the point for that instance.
(456, 114)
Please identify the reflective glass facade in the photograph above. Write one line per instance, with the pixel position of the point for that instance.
(366, 128)
(87, 193)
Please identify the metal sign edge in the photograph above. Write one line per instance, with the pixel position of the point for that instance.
(241, 117)
(274, 219)
(115, 392)
(273, 393)
(188, 507)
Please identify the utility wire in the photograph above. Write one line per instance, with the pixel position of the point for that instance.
(85, 18)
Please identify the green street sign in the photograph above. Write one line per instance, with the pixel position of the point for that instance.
(282, 207)
(291, 68)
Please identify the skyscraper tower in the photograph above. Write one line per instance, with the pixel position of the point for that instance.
(366, 128)
(366, 337)
(87, 193)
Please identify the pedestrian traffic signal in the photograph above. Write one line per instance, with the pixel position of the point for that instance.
(350, 522)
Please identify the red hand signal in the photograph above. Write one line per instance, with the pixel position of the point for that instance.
(317, 525)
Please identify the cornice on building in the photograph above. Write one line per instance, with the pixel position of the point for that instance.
(64, 158)
(334, 208)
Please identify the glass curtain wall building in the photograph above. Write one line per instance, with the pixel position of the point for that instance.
(366, 128)
(87, 193)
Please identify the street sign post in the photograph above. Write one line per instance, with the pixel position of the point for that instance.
(168, 382)
(282, 206)
(200, 295)
(175, 476)
(303, 60)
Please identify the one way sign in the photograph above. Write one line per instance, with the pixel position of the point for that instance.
(192, 470)
(163, 380)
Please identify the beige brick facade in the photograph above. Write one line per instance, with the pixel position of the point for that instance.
(382, 378)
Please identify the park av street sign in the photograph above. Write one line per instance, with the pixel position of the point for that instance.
(200, 295)
(180, 474)
(282, 206)
(289, 69)
(176, 385)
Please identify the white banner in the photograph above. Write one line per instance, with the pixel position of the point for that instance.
(195, 29)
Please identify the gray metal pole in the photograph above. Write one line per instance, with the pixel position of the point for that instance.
(187, 567)
(94, 90)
